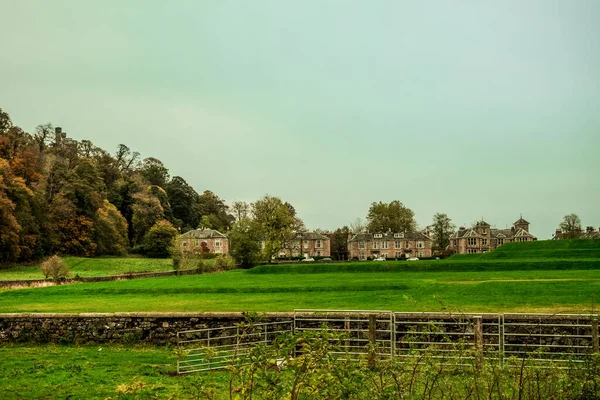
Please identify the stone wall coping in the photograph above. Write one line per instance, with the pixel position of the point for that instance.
(215, 315)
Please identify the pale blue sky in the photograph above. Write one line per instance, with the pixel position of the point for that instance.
(472, 108)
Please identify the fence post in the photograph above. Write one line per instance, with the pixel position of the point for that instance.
(372, 339)
(478, 329)
(347, 330)
(595, 334)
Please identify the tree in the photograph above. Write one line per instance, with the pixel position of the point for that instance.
(244, 242)
(211, 205)
(441, 228)
(159, 239)
(276, 221)
(183, 199)
(147, 211)
(358, 226)
(154, 171)
(55, 267)
(241, 210)
(393, 217)
(339, 243)
(111, 231)
(571, 227)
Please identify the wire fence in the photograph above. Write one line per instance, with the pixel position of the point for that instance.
(450, 339)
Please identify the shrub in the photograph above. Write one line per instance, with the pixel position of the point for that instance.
(224, 262)
(55, 268)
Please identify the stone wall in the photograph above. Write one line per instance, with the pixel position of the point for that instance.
(128, 328)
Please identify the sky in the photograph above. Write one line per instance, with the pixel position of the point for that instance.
(477, 109)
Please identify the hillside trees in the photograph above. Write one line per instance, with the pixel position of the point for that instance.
(60, 195)
(395, 217)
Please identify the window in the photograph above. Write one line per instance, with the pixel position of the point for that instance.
(472, 241)
(375, 244)
(384, 244)
(361, 245)
(483, 231)
(378, 235)
(420, 254)
(397, 244)
(363, 256)
(318, 244)
(484, 242)
(399, 235)
(407, 244)
(384, 255)
(397, 254)
(318, 254)
(500, 241)
(420, 244)
(217, 243)
(197, 242)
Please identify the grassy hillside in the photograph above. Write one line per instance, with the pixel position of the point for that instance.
(572, 249)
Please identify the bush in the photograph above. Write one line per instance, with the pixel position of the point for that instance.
(224, 262)
(55, 268)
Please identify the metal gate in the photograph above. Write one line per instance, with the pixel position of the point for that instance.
(450, 339)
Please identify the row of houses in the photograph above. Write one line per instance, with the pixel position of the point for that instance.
(480, 238)
(589, 233)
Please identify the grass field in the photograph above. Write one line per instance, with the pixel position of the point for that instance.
(503, 283)
(68, 372)
(86, 267)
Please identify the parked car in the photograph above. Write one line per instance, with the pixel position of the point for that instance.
(308, 259)
(413, 259)
(326, 259)
(379, 259)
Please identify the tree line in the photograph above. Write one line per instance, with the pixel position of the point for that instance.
(60, 195)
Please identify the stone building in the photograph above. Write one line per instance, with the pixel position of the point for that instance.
(390, 245)
(307, 244)
(590, 233)
(205, 241)
(482, 238)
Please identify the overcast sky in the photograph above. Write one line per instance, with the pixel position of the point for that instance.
(472, 108)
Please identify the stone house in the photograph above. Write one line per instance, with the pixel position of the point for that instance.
(205, 241)
(590, 233)
(390, 245)
(482, 238)
(307, 244)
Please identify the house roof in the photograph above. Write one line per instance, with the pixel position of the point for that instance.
(310, 236)
(591, 235)
(482, 223)
(521, 221)
(203, 234)
(364, 237)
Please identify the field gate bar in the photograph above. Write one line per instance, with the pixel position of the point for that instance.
(406, 337)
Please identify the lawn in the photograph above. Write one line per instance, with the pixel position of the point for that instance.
(100, 372)
(506, 282)
(86, 267)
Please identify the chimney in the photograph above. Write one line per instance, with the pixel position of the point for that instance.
(58, 130)
(589, 229)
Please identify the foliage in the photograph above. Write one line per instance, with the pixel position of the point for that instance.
(339, 243)
(224, 262)
(55, 268)
(441, 228)
(277, 221)
(159, 239)
(111, 231)
(244, 242)
(395, 217)
(571, 227)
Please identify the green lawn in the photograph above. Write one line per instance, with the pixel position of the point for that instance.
(100, 372)
(86, 267)
(510, 279)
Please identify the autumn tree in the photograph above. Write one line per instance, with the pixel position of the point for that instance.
(339, 243)
(154, 172)
(111, 231)
(395, 217)
(147, 211)
(571, 227)
(441, 228)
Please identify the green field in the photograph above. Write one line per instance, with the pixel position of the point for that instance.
(87, 267)
(519, 277)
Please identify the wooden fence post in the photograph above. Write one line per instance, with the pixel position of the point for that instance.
(595, 335)
(478, 330)
(372, 339)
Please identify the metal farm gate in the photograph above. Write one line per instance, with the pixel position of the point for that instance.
(449, 339)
